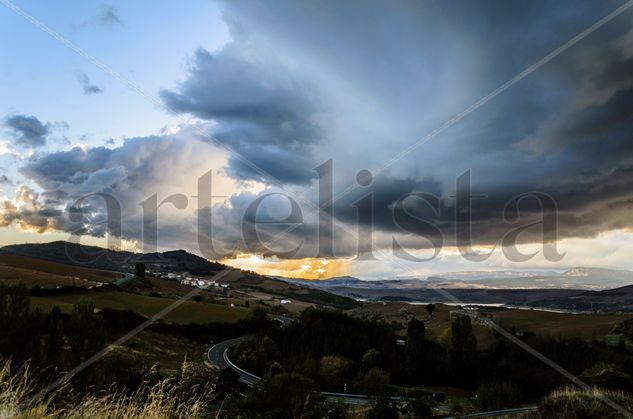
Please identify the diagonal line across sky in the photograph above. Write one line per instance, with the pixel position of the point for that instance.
(134, 87)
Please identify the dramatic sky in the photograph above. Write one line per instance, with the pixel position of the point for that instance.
(136, 100)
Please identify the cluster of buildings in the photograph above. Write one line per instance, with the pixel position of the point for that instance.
(191, 281)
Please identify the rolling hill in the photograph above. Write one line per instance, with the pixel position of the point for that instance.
(113, 260)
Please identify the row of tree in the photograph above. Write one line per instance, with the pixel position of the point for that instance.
(340, 353)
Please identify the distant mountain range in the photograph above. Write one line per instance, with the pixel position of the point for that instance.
(579, 278)
(577, 289)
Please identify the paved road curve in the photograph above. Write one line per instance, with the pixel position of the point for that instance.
(218, 357)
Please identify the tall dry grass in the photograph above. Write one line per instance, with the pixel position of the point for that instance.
(161, 400)
(573, 403)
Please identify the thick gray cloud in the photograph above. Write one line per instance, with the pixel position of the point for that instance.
(263, 113)
(358, 81)
(129, 173)
(28, 131)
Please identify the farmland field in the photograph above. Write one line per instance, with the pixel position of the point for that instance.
(187, 312)
(544, 323)
(14, 269)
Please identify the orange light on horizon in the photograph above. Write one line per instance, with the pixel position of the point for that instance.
(307, 268)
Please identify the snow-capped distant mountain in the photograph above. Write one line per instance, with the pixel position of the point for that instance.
(469, 275)
(575, 278)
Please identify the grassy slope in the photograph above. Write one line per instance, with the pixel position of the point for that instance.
(49, 274)
(169, 350)
(582, 325)
(543, 323)
(187, 312)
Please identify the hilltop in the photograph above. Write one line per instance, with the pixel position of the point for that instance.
(114, 260)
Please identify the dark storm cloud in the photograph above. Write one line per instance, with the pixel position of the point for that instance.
(87, 86)
(28, 131)
(262, 113)
(397, 73)
(63, 166)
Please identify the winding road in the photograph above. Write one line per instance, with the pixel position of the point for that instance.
(217, 356)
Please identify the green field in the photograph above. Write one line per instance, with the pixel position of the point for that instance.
(187, 312)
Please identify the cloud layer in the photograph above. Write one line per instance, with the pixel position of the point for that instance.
(27, 131)
(357, 82)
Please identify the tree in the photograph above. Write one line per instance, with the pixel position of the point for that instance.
(139, 270)
(375, 382)
(18, 302)
(279, 396)
(430, 308)
(497, 395)
(21, 327)
(463, 351)
(416, 348)
(419, 407)
(329, 409)
(259, 356)
(371, 359)
(227, 383)
(333, 370)
(382, 409)
(54, 338)
(86, 331)
(416, 333)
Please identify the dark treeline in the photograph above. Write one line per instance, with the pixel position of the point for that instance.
(54, 342)
(340, 353)
(38, 291)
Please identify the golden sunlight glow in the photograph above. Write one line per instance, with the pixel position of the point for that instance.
(309, 268)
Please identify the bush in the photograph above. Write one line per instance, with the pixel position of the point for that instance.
(419, 407)
(329, 409)
(382, 409)
(498, 394)
(375, 382)
(608, 376)
(279, 396)
(572, 403)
